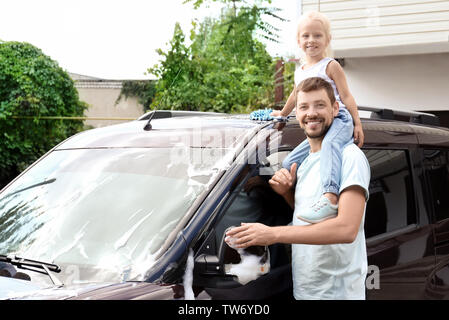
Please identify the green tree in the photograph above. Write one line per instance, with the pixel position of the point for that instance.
(266, 30)
(225, 69)
(177, 76)
(32, 86)
(289, 76)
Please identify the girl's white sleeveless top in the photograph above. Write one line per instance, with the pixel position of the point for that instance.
(318, 70)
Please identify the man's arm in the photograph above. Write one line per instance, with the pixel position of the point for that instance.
(341, 229)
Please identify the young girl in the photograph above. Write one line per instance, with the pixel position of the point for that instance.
(313, 36)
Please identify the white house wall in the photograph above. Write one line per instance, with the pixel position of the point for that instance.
(379, 27)
(408, 82)
(102, 104)
(395, 52)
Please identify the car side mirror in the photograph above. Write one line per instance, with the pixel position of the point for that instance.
(227, 267)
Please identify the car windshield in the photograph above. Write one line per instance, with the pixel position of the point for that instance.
(101, 214)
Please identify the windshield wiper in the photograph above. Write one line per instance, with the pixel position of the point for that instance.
(32, 186)
(36, 185)
(35, 266)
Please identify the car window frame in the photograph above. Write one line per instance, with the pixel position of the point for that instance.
(409, 227)
(430, 196)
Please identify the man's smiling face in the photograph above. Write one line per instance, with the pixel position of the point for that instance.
(315, 112)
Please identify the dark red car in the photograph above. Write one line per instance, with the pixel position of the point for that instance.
(138, 211)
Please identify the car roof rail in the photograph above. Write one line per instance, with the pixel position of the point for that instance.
(163, 114)
(401, 115)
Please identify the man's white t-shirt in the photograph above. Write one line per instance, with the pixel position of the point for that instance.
(336, 271)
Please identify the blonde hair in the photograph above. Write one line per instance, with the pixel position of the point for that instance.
(318, 16)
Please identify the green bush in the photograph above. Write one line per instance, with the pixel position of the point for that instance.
(32, 86)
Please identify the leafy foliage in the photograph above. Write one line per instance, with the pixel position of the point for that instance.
(289, 77)
(225, 69)
(32, 86)
(267, 30)
(177, 86)
(199, 3)
(143, 90)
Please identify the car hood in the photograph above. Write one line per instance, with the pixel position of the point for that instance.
(16, 289)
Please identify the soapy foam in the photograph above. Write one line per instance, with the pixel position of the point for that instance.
(188, 278)
(250, 266)
(248, 269)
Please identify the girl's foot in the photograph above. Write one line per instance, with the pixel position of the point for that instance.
(321, 210)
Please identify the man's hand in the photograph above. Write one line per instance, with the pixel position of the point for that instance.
(251, 234)
(283, 180)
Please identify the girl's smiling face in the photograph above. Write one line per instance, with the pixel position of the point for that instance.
(312, 38)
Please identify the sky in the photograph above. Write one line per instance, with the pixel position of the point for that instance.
(115, 39)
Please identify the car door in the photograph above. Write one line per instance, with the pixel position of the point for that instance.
(249, 199)
(220, 269)
(398, 235)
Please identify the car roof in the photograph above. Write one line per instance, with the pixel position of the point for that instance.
(215, 130)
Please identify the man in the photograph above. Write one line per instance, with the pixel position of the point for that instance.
(328, 258)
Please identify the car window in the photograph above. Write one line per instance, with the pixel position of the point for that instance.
(436, 165)
(391, 204)
(275, 160)
(254, 201)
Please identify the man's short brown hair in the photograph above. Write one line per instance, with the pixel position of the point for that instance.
(315, 84)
